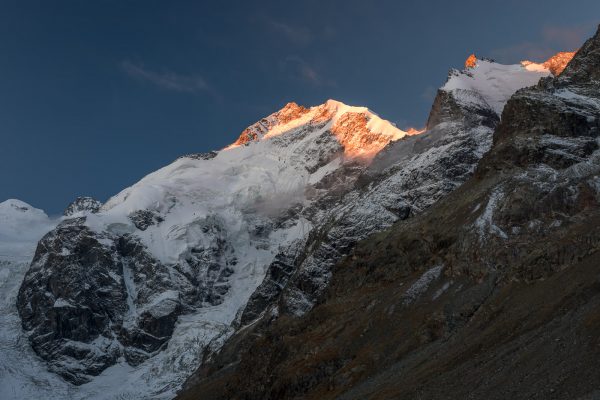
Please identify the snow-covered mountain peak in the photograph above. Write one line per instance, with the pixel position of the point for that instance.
(21, 226)
(14, 212)
(488, 83)
(555, 64)
(288, 159)
(13, 205)
(196, 238)
(285, 157)
(280, 119)
(360, 131)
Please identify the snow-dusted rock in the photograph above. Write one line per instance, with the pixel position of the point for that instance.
(82, 204)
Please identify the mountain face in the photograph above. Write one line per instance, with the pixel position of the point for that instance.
(491, 293)
(127, 298)
(193, 239)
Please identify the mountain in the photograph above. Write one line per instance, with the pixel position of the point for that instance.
(556, 64)
(107, 287)
(492, 293)
(127, 298)
(403, 180)
(21, 226)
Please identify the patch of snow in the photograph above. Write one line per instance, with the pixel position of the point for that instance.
(163, 304)
(577, 98)
(441, 290)
(485, 223)
(60, 302)
(131, 295)
(421, 285)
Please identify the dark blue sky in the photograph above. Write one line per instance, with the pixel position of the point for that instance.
(94, 95)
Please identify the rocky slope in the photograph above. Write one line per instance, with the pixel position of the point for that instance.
(126, 299)
(491, 293)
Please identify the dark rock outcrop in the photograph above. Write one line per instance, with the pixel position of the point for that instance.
(71, 311)
(82, 204)
(142, 219)
(91, 298)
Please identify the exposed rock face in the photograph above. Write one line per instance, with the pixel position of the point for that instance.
(256, 131)
(557, 63)
(142, 219)
(354, 135)
(80, 315)
(86, 204)
(471, 61)
(497, 282)
(201, 156)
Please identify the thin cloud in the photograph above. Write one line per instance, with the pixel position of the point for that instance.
(523, 51)
(297, 68)
(167, 80)
(568, 37)
(552, 40)
(299, 35)
(429, 93)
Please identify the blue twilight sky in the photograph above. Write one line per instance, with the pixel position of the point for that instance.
(96, 94)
